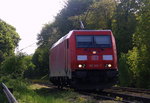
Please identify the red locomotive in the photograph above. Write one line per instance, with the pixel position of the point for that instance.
(84, 59)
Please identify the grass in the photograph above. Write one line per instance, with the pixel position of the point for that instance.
(43, 94)
(34, 93)
(37, 93)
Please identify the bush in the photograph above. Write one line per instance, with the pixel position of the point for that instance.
(138, 60)
(16, 65)
(124, 71)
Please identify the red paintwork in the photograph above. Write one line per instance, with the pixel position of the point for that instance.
(63, 59)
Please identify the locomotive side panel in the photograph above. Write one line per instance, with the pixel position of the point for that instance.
(58, 60)
(114, 52)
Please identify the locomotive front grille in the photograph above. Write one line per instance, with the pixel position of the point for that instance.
(96, 76)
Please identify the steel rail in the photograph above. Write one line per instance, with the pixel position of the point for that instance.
(8, 94)
(125, 98)
(138, 90)
(130, 97)
(104, 96)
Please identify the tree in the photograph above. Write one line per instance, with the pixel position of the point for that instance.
(74, 8)
(125, 74)
(100, 14)
(48, 35)
(124, 24)
(63, 24)
(41, 61)
(141, 38)
(9, 39)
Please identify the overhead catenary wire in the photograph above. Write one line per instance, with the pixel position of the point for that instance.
(26, 47)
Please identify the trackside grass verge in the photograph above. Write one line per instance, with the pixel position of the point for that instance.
(26, 92)
(43, 94)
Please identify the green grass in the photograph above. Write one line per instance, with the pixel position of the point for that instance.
(35, 93)
(43, 94)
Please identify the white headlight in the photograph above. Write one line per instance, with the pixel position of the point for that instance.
(94, 52)
(80, 65)
(107, 57)
(109, 65)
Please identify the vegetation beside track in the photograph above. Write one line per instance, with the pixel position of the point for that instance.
(26, 92)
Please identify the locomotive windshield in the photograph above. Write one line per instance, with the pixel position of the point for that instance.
(86, 41)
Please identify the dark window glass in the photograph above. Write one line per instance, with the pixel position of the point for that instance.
(102, 41)
(84, 41)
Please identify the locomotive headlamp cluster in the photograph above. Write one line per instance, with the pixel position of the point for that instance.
(94, 52)
(108, 65)
(81, 65)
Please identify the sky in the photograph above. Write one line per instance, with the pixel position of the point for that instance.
(28, 17)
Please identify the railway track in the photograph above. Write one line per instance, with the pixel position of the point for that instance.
(137, 90)
(130, 97)
(105, 96)
(123, 98)
(132, 93)
(121, 94)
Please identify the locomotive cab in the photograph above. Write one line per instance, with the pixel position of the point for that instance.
(96, 61)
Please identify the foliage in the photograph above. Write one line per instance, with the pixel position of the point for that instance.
(41, 61)
(99, 15)
(43, 94)
(124, 24)
(140, 64)
(63, 24)
(35, 93)
(17, 85)
(125, 74)
(48, 35)
(16, 65)
(9, 39)
(73, 8)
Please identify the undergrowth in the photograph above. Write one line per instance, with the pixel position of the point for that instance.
(25, 92)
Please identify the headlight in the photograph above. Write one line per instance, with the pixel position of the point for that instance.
(81, 65)
(94, 52)
(108, 65)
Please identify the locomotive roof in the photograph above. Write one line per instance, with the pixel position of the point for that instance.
(71, 32)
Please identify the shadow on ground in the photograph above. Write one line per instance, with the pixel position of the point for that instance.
(53, 92)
